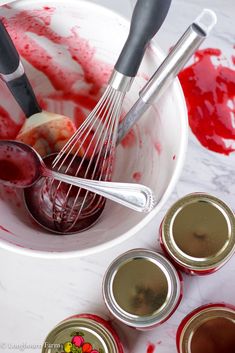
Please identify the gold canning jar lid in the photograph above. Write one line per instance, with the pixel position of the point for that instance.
(79, 335)
(141, 288)
(198, 232)
(211, 329)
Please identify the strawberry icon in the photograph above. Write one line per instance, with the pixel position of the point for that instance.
(77, 341)
(86, 348)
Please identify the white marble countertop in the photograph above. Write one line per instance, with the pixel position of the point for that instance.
(35, 294)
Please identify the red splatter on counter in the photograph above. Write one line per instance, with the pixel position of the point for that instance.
(209, 90)
(151, 348)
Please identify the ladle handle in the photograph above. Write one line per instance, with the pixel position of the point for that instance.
(12, 73)
(135, 196)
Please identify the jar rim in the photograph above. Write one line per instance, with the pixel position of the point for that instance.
(174, 289)
(182, 258)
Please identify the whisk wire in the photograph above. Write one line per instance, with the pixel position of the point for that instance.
(102, 122)
(106, 113)
(89, 153)
(68, 150)
(110, 114)
(69, 146)
(102, 159)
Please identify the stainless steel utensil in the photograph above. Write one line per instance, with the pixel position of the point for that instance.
(15, 156)
(192, 38)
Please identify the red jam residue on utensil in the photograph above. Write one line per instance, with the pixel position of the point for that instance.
(51, 203)
(17, 167)
(209, 90)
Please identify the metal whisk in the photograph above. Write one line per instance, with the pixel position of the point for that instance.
(90, 151)
(95, 161)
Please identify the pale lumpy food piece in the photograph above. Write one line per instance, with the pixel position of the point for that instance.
(47, 132)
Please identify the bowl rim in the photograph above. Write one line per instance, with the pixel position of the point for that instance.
(174, 178)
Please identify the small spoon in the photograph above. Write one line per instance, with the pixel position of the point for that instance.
(21, 166)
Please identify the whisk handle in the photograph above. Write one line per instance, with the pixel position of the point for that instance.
(12, 73)
(135, 196)
(183, 50)
(147, 18)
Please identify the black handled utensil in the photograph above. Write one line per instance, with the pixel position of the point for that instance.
(13, 74)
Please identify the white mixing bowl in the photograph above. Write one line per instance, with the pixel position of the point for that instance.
(153, 153)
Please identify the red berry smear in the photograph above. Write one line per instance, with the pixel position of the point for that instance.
(210, 92)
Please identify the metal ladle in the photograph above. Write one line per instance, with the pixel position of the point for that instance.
(21, 166)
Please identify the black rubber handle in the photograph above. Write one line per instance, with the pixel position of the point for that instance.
(23, 93)
(147, 18)
(9, 57)
(18, 84)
